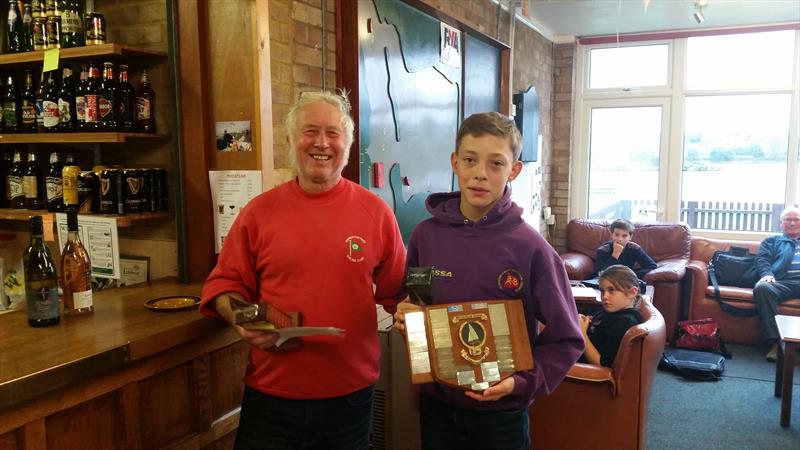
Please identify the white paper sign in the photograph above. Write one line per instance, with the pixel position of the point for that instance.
(99, 236)
(230, 191)
(450, 45)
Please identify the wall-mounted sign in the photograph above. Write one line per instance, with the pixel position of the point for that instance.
(450, 46)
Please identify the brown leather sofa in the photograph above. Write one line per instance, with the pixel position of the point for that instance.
(734, 329)
(667, 243)
(600, 407)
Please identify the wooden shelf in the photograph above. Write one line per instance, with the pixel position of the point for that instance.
(123, 221)
(112, 51)
(67, 138)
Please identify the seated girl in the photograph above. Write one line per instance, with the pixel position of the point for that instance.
(603, 332)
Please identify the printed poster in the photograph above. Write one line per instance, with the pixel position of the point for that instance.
(450, 45)
(230, 191)
(99, 236)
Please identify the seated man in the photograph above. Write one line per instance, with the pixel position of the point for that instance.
(620, 250)
(778, 265)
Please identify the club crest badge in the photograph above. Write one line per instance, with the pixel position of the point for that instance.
(355, 248)
(510, 280)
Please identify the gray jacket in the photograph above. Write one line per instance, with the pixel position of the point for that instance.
(774, 256)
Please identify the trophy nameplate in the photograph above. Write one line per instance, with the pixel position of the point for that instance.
(469, 345)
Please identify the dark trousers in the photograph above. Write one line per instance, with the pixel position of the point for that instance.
(767, 297)
(273, 423)
(447, 427)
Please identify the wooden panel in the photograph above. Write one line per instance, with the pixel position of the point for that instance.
(8, 441)
(94, 424)
(75, 138)
(227, 367)
(131, 411)
(33, 435)
(262, 126)
(167, 406)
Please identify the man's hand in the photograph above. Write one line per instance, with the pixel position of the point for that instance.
(400, 316)
(767, 279)
(256, 338)
(495, 392)
(618, 248)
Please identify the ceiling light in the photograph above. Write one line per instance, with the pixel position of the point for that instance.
(698, 13)
(698, 17)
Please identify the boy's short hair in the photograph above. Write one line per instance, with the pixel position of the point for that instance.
(492, 123)
(622, 224)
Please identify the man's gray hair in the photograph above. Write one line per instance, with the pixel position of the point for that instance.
(337, 100)
(790, 209)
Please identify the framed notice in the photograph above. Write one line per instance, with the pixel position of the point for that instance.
(99, 236)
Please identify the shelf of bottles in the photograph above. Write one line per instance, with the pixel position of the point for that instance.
(74, 138)
(123, 220)
(110, 51)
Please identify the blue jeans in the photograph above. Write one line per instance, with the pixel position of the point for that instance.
(448, 427)
(274, 423)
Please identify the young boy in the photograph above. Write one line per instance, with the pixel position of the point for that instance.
(620, 250)
(482, 249)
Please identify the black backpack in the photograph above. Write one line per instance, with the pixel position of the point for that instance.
(735, 267)
(692, 364)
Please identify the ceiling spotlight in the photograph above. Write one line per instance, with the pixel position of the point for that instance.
(698, 13)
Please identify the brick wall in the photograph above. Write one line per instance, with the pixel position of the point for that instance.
(559, 169)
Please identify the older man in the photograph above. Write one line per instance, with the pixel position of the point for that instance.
(329, 249)
(778, 265)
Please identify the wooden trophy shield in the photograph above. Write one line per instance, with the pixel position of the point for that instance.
(469, 345)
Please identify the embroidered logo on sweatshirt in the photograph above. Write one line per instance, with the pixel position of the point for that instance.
(510, 279)
(355, 248)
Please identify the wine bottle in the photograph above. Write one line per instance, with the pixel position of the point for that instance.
(125, 101)
(76, 271)
(107, 107)
(41, 283)
(14, 38)
(80, 98)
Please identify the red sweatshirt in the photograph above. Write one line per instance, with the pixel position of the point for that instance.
(318, 254)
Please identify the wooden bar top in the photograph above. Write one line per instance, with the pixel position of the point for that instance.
(34, 361)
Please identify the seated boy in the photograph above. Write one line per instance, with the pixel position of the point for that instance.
(620, 250)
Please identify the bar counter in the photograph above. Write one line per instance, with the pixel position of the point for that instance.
(123, 377)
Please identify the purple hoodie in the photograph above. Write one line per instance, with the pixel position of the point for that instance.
(471, 262)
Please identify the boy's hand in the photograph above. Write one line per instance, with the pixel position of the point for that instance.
(400, 316)
(495, 392)
(618, 248)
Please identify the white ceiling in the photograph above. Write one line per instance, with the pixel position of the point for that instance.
(561, 19)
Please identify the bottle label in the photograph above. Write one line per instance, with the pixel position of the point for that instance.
(40, 112)
(80, 108)
(142, 108)
(29, 186)
(12, 17)
(92, 109)
(106, 104)
(54, 188)
(51, 116)
(10, 114)
(70, 188)
(15, 187)
(29, 114)
(65, 115)
(42, 299)
(71, 22)
(83, 299)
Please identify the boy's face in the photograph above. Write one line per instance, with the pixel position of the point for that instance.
(621, 236)
(483, 166)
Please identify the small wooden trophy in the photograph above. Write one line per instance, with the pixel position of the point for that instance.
(266, 317)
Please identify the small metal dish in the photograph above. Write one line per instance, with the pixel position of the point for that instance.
(172, 303)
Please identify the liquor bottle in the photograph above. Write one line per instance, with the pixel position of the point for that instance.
(11, 107)
(80, 99)
(54, 185)
(106, 98)
(69, 179)
(125, 101)
(30, 183)
(145, 106)
(16, 194)
(40, 104)
(27, 26)
(66, 102)
(91, 94)
(52, 116)
(28, 105)
(71, 24)
(76, 271)
(14, 36)
(5, 168)
(41, 282)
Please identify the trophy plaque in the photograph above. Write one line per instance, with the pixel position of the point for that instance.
(266, 317)
(470, 345)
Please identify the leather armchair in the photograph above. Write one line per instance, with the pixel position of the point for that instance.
(667, 243)
(734, 329)
(600, 407)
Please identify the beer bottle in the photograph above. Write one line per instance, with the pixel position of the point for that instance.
(66, 101)
(28, 105)
(53, 184)
(11, 106)
(5, 167)
(71, 24)
(106, 98)
(27, 26)
(52, 116)
(145, 106)
(69, 178)
(30, 183)
(40, 104)
(41, 283)
(125, 101)
(14, 37)
(38, 8)
(80, 99)
(16, 194)
(91, 94)
(76, 271)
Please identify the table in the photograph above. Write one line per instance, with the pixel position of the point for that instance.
(789, 331)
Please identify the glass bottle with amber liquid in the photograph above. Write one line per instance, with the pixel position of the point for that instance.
(125, 101)
(66, 101)
(106, 98)
(76, 271)
(41, 282)
(145, 106)
(28, 105)
(30, 183)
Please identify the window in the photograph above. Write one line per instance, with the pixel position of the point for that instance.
(629, 67)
